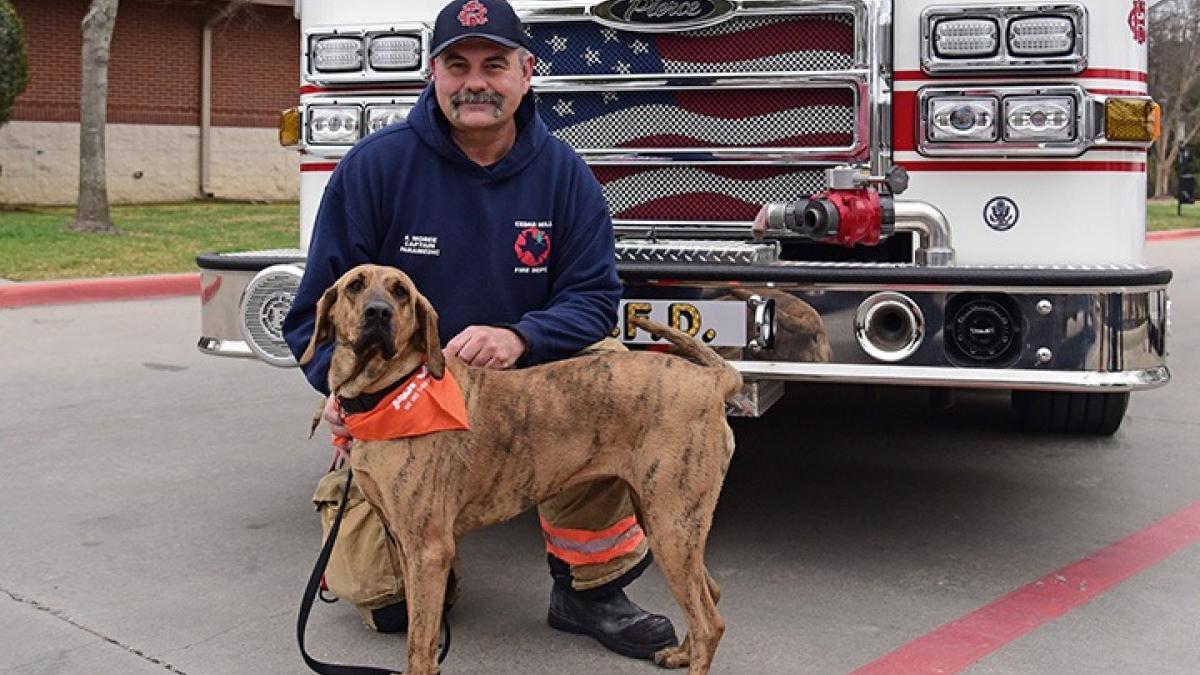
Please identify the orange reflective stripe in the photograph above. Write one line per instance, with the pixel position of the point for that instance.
(585, 547)
(585, 536)
(576, 558)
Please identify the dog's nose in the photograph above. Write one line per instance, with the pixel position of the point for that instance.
(377, 310)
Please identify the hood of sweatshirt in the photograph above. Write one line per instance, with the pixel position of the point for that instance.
(432, 127)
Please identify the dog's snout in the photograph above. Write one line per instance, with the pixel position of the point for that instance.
(378, 310)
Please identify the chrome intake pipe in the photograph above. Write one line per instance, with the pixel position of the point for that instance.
(932, 228)
(889, 326)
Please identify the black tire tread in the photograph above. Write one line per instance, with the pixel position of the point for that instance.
(1071, 412)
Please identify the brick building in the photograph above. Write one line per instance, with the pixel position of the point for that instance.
(193, 102)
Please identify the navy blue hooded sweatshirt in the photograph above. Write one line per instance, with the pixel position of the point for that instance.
(526, 243)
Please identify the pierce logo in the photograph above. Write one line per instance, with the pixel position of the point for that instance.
(656, 12)
(1137, 21)
(473, 14)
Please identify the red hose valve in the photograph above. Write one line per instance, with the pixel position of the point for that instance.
(851, 211)
(848, 217)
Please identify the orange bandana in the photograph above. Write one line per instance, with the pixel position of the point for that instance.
(420, 406)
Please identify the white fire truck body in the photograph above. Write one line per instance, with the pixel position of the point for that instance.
(957, 190)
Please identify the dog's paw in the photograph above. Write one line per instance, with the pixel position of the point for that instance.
(672, 657)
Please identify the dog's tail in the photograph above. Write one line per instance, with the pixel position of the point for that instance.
(693, 350)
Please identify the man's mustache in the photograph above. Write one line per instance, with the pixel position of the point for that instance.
(477, 97)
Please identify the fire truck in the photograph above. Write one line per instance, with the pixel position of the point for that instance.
(947, 195)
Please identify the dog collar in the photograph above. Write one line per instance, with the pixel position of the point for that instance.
(415, 406)
(367, 402)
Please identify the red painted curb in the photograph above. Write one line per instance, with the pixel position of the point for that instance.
(957, 645)
(1170, 235)
(102, 289)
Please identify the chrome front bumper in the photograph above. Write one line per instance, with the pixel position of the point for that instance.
(1096, 329)
(224, 278)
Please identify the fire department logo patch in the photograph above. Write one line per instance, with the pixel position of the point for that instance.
(473, 14)
(532, 247)
(1001, 213)
(1137, 21)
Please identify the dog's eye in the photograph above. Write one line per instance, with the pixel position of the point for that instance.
(355, 285)
(400, 292)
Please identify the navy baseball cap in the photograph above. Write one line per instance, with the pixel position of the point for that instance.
(492, 20)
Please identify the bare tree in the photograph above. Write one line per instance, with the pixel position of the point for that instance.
(91, 212)
(1174, 34)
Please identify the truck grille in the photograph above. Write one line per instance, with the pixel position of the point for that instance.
(700, 193)
(703, 120)
(746, 45)
(691, 131)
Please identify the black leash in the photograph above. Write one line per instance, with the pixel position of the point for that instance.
(314, 587)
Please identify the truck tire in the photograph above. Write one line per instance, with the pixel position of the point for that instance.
(1070, 412)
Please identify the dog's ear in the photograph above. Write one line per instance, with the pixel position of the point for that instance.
(427, 320)
(323, 331)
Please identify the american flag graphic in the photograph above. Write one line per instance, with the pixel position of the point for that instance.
(702, 123)
(701, 193)
(702, 119)
(748, 44)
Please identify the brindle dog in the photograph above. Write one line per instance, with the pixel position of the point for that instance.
(654, 420)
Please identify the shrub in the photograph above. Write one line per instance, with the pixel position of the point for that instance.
(14, 73)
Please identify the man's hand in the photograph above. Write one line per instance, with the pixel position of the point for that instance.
(487, 347)
(337, 425)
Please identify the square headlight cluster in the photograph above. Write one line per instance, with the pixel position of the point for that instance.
(343, 124)
(1033, 119)
(350, 55)
(1045, 38)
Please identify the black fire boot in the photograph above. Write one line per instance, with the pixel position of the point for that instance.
(393, 618)
(613, 620)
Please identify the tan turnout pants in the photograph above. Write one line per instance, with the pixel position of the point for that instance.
(592, 527)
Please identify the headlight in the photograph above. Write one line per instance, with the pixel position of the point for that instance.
(1041, 36)
(962, 119)
(379, 116)
(1050, 37)
(333, 124)
(1029, 121)
(394, 52)
(959, 38)
(337, 54)
(1051, 121)
(1032, 118)
(345, 122)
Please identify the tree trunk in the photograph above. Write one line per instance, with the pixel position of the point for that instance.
(92, 213)
(1174, 81)
(1162, 177)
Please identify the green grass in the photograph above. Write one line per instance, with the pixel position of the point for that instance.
(37, 243)
(1161, 216)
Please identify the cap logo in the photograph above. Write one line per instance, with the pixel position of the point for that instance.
(473, 14)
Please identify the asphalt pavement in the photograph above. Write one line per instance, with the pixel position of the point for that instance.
(159, 520)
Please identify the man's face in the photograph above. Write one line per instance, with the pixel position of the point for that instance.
(479, 84)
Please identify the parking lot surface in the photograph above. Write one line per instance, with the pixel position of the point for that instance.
(159, 520)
